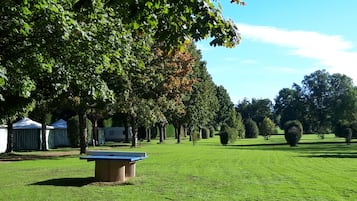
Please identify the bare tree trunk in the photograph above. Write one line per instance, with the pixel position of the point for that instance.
(43, 133)
(177, 133)
(161, 131)
(82, 132)
(189, 133)
(185, 131)
(10, 137)
(95, 132)
(165, 132)
(148, 134)
(200, 132)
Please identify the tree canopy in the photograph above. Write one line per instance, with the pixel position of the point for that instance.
(80, 48)
(320, 103)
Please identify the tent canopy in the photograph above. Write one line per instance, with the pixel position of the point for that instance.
(59, 124)
(27, 123)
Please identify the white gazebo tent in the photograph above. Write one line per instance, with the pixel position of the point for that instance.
(28, 135)
(3, 138)
(59, 134)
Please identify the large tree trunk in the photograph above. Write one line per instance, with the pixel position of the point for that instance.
(177, 133)
(165, 132)
(10, 137)
(134, 133)
(161, 132)
(82, 132)
(190, 132)
(200, 132)
(93, 117)
(185, 131)
(43, 133)
(95, 132)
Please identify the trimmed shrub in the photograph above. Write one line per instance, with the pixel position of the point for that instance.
(293, 131)
(205, 133)
(251, 129)
(224, 137)
(228, 134)
(232, 134)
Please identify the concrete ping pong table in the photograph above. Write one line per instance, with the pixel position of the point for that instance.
(114, 166)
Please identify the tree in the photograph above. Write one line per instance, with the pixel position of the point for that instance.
(289, 105)
(85, 39)
(240, 126)
(267, 127)
(175, 21)
(317, 90)
(251, 129)
(202, 104)
(321, 102)
(235, 122)
(225, 106)
(343, 99)
(257, 109)
(293, 131)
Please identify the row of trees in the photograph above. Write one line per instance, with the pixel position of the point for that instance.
(323, 103)
(98, 58)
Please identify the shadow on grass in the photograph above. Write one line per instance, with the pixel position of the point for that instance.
(119, 145)
(303, 146)
(74, 182)
(12, 157)
(78, 182)
(334, 155)
(308, 149)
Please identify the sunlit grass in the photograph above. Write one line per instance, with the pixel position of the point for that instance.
(250, 169)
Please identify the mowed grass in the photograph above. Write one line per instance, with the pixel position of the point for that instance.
(250, 169)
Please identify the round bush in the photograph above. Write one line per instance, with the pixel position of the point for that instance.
(293, 132)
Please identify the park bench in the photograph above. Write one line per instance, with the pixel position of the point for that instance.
(114, 166)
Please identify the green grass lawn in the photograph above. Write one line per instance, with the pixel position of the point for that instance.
(250, 169)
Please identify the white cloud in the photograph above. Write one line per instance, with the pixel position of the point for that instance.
(331, 52)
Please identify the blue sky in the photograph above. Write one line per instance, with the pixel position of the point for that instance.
(282, 41)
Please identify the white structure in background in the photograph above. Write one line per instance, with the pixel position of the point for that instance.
(28, 135)
(3, 138)
(59, 134)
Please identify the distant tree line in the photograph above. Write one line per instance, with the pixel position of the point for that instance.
(323, 103)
